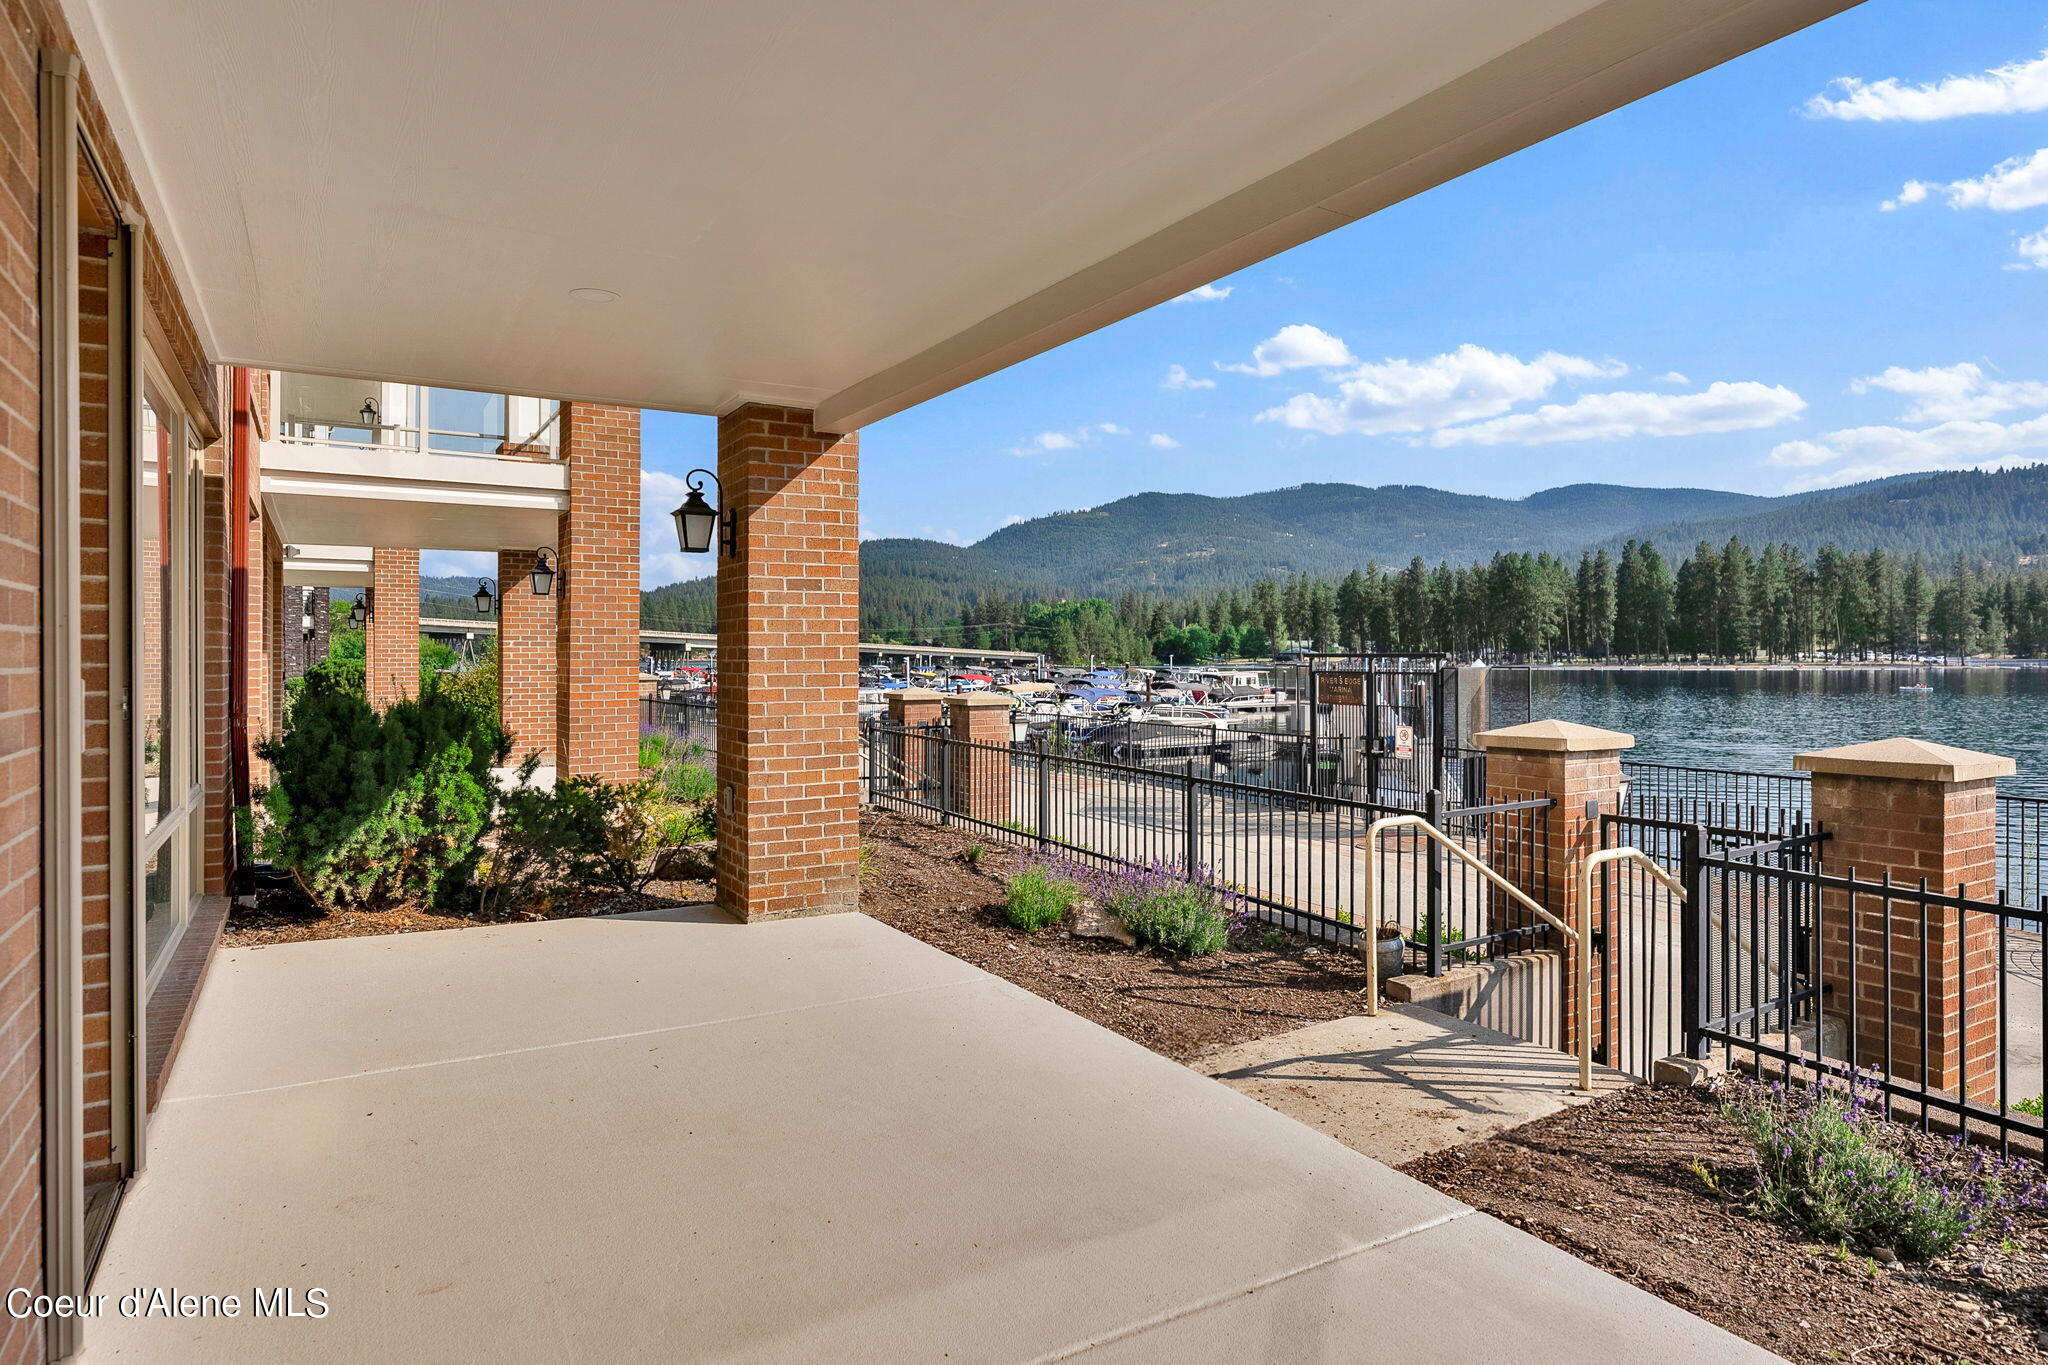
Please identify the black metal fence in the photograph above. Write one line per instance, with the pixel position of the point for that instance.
(1781, 803)
(1296, 858)
(694, 720)
(1779, 964)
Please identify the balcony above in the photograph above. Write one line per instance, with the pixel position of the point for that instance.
(336, 494)
(327, 566)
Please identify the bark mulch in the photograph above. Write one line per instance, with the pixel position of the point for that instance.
(285, 916)
(922, 879)
(1648, 1185)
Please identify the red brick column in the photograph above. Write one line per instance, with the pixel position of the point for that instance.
(391, 641)
(978, 772)
(527, 658)
(911, 757)
(597, 621)
(1578, 767)
(1917, 812)
(788, 664)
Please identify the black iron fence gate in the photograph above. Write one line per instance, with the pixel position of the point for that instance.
(1777, 964)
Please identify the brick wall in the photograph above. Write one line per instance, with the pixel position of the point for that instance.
(391, 644)
(788, 609)
(978, 771)
(527, 648)
(597, 660)
(303, 651)
(99, 763)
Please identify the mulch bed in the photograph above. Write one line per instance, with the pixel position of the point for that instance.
(285, 916)
(921, 879)
(1614, 1184)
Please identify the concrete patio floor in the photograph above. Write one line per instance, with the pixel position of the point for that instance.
(671, 1137)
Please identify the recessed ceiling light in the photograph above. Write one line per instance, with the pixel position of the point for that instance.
(593, 296)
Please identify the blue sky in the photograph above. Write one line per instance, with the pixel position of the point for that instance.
(1703, 288)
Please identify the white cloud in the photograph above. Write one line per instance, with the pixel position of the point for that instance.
(2033, 251)
(1159, 440)
(2018, 88)
(1611, 416)
(1464, 385)
(1015, 519)
(1177, 377)
(1672, 377)
(1298, 346)
(1207, 293)
(2018, 183)
(1877, 452)
(1948, 393)
(1055, 442)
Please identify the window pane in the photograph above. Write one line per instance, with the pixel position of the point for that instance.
(154, 654)
(464, 422)
(344, 411)
(159, 908)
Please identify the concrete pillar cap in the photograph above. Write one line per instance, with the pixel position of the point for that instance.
(1910, 760)
(980, 699)
(1554, 736)
(914, 694)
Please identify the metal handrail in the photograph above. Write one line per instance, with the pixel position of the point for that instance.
(1580, 938)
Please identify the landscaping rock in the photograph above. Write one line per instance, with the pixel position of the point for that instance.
(1092, 921)
(687, 863)
(1682, 1072)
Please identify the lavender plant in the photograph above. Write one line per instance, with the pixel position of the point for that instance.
(1826, 1166)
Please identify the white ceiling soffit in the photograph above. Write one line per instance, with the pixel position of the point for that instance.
(851, 207)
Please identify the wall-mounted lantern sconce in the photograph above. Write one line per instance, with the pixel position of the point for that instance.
(546, 562)
(370, 413)
(361, 612)
(306, 623)
(486, 596)
(698, 522)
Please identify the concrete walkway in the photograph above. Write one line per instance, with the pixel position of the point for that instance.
(1405, 1083)
(675, 1138)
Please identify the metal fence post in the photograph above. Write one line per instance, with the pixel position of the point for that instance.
(1191, 821)
(1694, 937)
(1043, 766)
(945, 778)
(1432, 918)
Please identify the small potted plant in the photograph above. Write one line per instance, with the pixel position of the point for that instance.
(1393, 951)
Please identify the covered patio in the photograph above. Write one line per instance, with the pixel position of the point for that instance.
(671, 1137)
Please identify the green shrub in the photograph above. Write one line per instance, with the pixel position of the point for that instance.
(1039, 898)
(586, 832)
(368, 809)
(2037, 1105)
(476, 687)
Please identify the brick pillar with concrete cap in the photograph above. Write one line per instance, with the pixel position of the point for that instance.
(391, 638)
(788, 667)
(1916, 812)
(912, 760)
(978, 772)
(1579, 768)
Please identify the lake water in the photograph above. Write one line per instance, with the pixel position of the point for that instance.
(1760, 718)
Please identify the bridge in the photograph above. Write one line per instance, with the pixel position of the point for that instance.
(455, 630)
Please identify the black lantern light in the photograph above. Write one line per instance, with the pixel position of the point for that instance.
(306, 621)
(698, 522)
(545, 561)
(369, 413)
(486, 596)
(360, 612)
